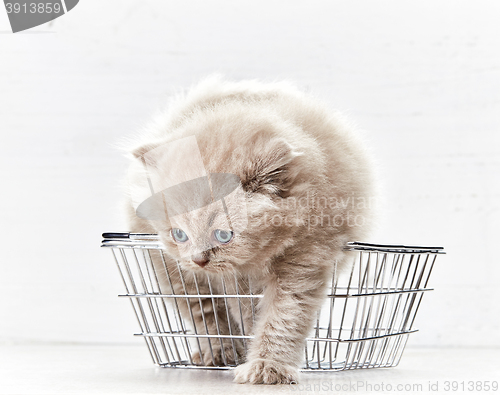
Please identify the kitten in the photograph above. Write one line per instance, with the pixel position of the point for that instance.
(256, 180)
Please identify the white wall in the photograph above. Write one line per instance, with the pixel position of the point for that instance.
(421, 79)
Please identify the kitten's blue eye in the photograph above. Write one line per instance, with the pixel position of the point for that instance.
(179, 235)
(223, 236)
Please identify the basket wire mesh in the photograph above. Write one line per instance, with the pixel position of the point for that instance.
(365, 321)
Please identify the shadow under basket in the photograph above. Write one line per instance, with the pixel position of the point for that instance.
(365, 321)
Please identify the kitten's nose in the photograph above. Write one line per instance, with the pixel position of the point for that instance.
(200, 260)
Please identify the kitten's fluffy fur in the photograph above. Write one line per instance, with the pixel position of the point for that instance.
(286, 148)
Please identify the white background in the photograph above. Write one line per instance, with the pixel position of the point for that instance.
(420, 78)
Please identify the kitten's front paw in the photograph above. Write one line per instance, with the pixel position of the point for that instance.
(216, 356)
(265, 371)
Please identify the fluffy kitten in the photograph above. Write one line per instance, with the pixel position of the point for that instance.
(254, 179)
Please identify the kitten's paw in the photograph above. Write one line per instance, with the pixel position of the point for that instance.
(265, 371)
(216, 356)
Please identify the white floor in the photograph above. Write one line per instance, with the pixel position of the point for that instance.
(77, 369)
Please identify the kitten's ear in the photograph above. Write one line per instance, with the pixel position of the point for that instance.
(148, 152)
(139, 152)
(271, 170)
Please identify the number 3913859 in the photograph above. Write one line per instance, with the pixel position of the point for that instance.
(33, 8)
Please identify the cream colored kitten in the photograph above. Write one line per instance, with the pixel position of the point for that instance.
(254, 179)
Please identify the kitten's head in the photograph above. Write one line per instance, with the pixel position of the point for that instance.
(205, 222)
(219, 219)
(205, 239)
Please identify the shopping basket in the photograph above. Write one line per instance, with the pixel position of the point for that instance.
(365, 322)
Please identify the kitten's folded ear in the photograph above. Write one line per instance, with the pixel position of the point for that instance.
(142, 150)
(271, 169)
(149, 153)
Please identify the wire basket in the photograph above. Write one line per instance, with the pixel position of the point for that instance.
(365, 321)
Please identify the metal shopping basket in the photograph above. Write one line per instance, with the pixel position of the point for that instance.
(365, 321)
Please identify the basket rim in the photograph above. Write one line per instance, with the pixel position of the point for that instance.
(151, 240)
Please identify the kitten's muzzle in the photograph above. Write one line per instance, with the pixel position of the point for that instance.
(200, 259)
